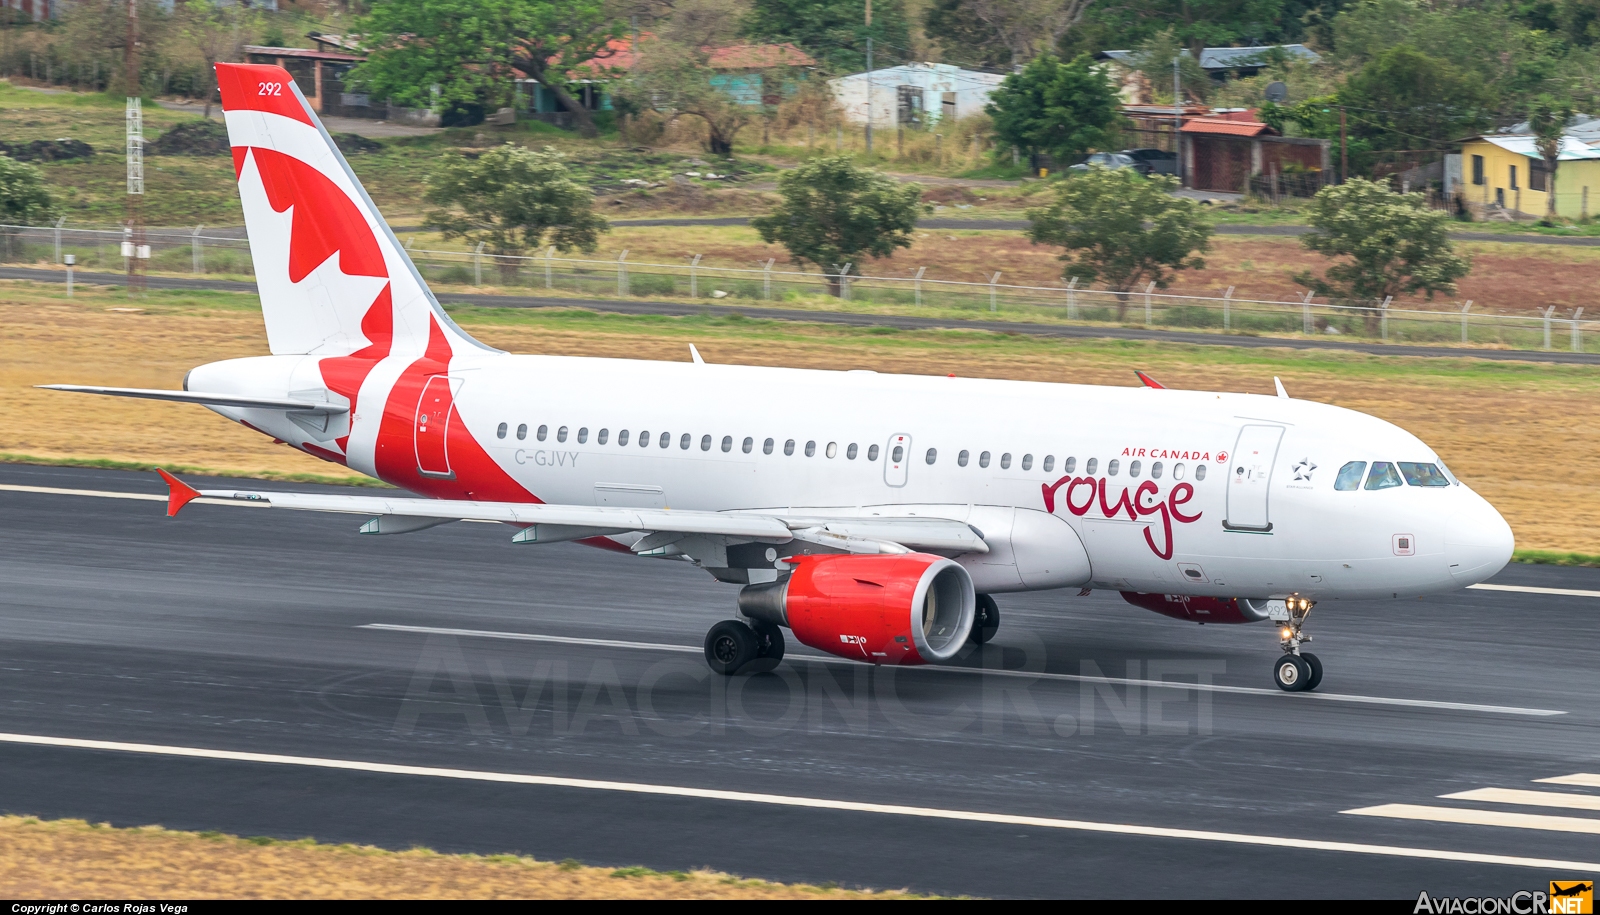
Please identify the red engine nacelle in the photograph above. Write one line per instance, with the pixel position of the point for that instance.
(906, 608)
(1198, 609)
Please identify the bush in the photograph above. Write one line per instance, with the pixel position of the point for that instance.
(647, 284)
(1191, 316)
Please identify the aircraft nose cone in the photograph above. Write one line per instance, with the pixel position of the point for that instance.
(1478, 541)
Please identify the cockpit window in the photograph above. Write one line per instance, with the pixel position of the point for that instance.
(1423, 474)
(1383, 476)
(1350, 476)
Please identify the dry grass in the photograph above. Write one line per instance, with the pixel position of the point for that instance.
(1512, 429)
(70, 858)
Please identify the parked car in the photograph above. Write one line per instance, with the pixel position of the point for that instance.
(1111, 160)
(1157, 161)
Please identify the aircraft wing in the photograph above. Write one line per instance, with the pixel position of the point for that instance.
(549, 523)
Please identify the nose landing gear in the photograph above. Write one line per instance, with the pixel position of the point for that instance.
(1296, 670)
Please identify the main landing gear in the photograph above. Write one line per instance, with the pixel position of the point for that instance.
(1296, 671)
(985, 622)
(739, 647)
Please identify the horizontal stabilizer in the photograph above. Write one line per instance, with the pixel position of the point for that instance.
(210, 400)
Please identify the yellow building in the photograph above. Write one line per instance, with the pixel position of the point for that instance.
(1508, 172)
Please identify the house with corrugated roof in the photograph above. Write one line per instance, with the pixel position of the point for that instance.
(914, 94)
(1507, 172)
(1231, 150)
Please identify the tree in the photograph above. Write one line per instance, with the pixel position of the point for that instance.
(212, 32)
(1154, 58)
(835, 213)
(1406, 99)
(511, 200)
(468, 48)
(673, 72)
(24, 198)
(1547, 120)
(1064, 109)
(1395, 244)
(1122, 230)
(835, 30)
(1028, 27)
(962, 36)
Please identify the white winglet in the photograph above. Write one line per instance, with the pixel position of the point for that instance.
(695, 354)
(1279, 385)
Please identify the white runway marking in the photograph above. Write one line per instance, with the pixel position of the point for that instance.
(1481, 818)
(813, 803)
(1523, 589)
(1528, 798)
(1579, 779)
(1071, 678)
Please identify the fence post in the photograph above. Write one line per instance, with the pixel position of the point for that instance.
(1384, 308)
(1547, 313)
(916, 285)
(1464, 309)
(766, 274)
(844, 282)
(1227, 317)
(1072, 300)
(59, 223)
(1147, 315)
(622, 272)
(549, 259)
(993, 306)
(1307, 325)
(69, 260)
(694, 280)
(1577, 335)
(477, 264)
(197, 254)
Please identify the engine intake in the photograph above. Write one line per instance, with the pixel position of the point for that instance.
(1200, 609)
(907, 608)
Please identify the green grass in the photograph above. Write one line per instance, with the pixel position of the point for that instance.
(1555, 558)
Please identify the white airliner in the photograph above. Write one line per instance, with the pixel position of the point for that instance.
(871, 515)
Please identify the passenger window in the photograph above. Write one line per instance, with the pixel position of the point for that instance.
(561, 434)
(933, 455)
(833, 449)
(1005, 461)
(766, 446)
(583, 435)
(1091, 465)
(961, 459)
(897, 455)
(1133, 469)
(1049, 463)
(1383, 476)
(682, 442)
(1423, 475)
(604, 434)
(666, 440)
(622, 438)
(750, 443)
(1199, 472)
(1349, 478)
(1112, 466)
(522, 432)
(850, 452)
(1027, 462)
(811, 449)
(727, 444)
(872, 453)
(644, 438)
(983, 459)
(1070, 465)
(705, 443)
(1177, 471)
(788, 447)
(542, 433)
(501, 432)
(1155, 471)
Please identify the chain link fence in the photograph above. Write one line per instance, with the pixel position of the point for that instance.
(226, 252)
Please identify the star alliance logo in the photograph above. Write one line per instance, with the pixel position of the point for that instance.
(1302, 470)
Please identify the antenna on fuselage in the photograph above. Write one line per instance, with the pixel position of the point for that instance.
(1279, 385)
(695, 355)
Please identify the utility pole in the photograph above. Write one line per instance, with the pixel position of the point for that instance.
(1344, 153)
(1177, 113)
(135, 248)
(869, 78)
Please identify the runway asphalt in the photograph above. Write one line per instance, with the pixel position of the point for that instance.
(852, 319)
(251, 630)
